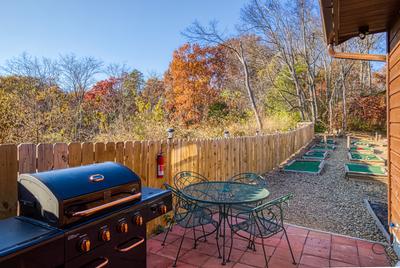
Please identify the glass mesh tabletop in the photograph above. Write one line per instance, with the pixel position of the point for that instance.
(221, 192)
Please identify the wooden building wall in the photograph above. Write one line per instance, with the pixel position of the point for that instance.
(393, 99)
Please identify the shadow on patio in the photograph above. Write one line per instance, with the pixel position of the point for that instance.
(311, 249)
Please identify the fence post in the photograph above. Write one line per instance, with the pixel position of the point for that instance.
(8, 180)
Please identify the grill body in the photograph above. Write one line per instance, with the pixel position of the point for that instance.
(61, 197)
(68, 220)
(124, 249)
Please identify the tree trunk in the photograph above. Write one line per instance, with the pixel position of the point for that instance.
(248, 87)
(344, 110)
(330, 114)
(299, 94)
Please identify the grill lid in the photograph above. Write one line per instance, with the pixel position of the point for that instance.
(72, 182)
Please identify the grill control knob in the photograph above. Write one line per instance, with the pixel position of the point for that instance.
(84, 245)
(138, 220)
(163, 209)
(122, 227)
(105, 235)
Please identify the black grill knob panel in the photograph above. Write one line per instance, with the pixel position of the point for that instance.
(105, 235)
(138, 220)
(122, 227)
(84, 245)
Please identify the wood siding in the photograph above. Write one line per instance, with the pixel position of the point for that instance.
(393, 103)
(343, 19)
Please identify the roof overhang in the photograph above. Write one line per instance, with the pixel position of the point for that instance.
(344, 19)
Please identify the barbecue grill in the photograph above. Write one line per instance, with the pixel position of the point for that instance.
(89, 216)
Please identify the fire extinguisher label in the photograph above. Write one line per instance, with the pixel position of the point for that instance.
(160, 170)
(160, 166)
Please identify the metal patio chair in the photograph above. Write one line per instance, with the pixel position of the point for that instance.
(250, 178)
(247, 178)
(185, 178)
(189, 214)
(262, 222)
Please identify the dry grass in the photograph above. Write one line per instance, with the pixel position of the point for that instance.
(151, 130)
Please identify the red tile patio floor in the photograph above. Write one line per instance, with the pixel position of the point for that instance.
(311, 249)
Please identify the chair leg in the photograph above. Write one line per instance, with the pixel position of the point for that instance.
(220, 226)
(251, 244)
(166, 234)
(265, 253)
(204, 233)
(217, 239)
(230, 250)
(180, 246)
(194, 237)
(290, 247)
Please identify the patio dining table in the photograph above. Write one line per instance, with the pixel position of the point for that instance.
(224, 195)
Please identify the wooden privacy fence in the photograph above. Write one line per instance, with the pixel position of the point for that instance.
(217, 159)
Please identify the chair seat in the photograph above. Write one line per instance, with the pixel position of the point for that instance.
(259, 228)
(195, 218)
(237, 208)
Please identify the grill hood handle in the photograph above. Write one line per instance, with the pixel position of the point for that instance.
(96, 178)
(90, 211)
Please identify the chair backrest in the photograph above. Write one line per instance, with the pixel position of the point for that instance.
(181, 202)
(250, 178)
(185, 178)
(273, 209)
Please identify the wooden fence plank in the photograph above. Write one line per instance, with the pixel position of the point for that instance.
(195, 155)
(100, 153)
(60, 155)
(128, 154)
(87, 153)
(27, 158)
(217, 159)
(74, 154)
(166, 151)
(110, 151)
(144, 151)
(8, 180)
(152, 165)
(137, 156)
(119, 152)
(44, 157)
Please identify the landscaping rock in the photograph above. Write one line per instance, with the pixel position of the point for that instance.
(329, 202)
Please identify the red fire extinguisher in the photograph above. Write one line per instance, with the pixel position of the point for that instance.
(160, 165)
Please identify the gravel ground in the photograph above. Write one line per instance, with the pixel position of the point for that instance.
(329, 202)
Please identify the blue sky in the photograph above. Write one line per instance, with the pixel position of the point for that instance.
(141, 33)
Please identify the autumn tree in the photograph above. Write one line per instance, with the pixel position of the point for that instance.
(100, 107)
(211, 36)
(154, 90)
(192, 82)
(32, 111)
(77, 76)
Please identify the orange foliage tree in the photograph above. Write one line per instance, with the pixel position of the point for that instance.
(368, 113)
(193, 79)
(101, 89)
